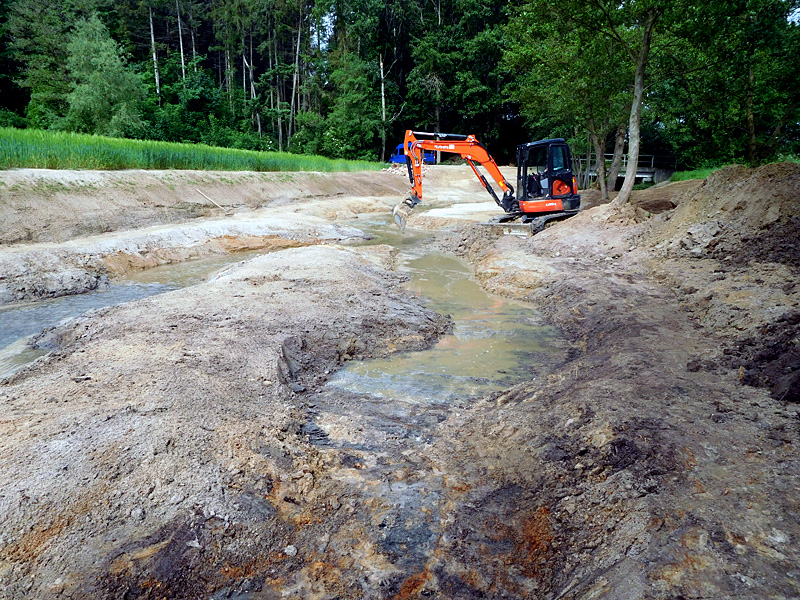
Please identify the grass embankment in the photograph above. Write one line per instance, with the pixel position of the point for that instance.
(695, 174)
(705, 172)
(38, 149)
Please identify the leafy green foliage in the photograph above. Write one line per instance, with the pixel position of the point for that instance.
(38, 33)
(106, 91)
(693, 174)
(352, 125)
(720, 83)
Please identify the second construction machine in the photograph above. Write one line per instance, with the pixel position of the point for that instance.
(546, 188)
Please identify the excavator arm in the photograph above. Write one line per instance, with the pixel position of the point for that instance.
(470, 149)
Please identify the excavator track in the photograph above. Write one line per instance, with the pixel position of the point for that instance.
(530, 226)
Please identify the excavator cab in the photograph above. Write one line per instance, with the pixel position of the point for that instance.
(545, 183)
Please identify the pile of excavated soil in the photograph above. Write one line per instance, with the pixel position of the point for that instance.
(739, 236)
(656, 199)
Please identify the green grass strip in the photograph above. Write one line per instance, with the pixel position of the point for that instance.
(39, 149)
(695, 174)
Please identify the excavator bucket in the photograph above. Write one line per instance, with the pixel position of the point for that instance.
(402, 211)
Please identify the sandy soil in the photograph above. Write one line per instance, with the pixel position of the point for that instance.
(183, 446)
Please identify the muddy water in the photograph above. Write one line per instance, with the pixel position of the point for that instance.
(496, 342)
(19, 322)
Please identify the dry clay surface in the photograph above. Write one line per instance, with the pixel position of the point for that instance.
(182, 446)
(69, 232)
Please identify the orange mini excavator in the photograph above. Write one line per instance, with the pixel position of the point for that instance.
(546, 187)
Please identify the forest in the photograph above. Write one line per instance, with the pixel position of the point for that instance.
(706, 83)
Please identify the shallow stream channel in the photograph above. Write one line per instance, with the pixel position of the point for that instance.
(495, 341)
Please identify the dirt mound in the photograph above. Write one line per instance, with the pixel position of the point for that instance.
(739, 233)
(656, 199)
(40, 205)
(159, 446)
(731, 211)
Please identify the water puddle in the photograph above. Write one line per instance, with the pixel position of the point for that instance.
(495, 343)
(19, 322)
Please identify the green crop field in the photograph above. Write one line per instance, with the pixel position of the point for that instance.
(38, 149)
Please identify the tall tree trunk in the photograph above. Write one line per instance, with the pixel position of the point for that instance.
(155, 56)
(296, 77)
(587, 182)
(271, 91)
(437, 129)
(636, 110)
(599, 143)
(228, 75)
(253, 88)
(383, 111)
(180, 41)
(751, 122)
(194, 48)
(278, 93)
(616, 161)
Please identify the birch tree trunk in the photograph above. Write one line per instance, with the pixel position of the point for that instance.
(253, 88)
(636, 110)
(194, 50)
(155, 56)
(180, 41)
(295, 78)
(383, 111)
(271, 91)
(228, 73)
(278, 93)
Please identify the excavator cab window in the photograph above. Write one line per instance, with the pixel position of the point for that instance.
(537, 159)
(559, 156)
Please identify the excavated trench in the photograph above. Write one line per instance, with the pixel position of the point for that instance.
(377, 419)
(496, 340)
(297, 426)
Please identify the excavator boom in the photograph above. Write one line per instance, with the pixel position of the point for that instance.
(468, 147)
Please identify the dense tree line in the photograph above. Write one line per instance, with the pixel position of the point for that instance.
(709, 82)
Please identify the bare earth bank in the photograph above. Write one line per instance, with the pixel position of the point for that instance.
(182, 446)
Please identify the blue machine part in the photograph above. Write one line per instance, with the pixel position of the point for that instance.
(398, 156)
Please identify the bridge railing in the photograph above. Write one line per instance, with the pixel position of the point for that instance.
(649, 167)
(646, 161)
